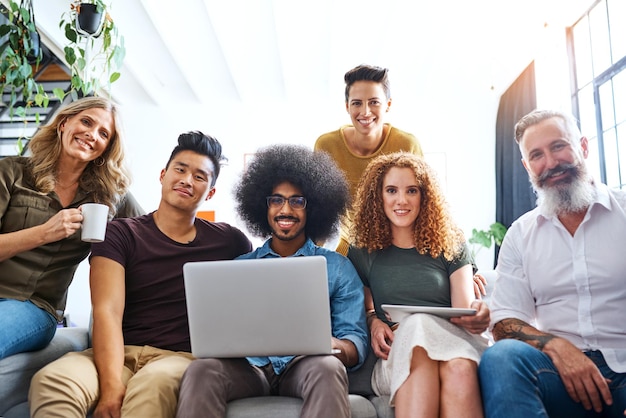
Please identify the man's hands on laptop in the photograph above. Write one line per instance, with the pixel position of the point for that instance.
(345, 351)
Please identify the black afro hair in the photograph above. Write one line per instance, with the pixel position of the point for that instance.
(315, 173)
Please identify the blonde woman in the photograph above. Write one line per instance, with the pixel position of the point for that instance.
(76, 158)
(408, 251)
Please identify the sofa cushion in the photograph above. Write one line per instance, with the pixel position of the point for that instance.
(381, 404)
(264, 407)
(17, 370)
(287, 407)
(18, 411)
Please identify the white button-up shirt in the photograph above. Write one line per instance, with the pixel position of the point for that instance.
(570, 286)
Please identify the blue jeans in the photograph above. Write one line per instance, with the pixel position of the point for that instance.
(24, 327)
(518, 380)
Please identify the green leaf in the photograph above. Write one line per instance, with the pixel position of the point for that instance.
(70, 55)
(10, 76)
(100, 6)
(26, 71)
(20, 146)
(88, 88)
(76, 81)
(31, 86)
(81, 63)
(14, 40)
(482, 238)
(485, 238)
(25, 15)
(106, 40)
(498, 231)
(12, 101)
(4, 29)
(114, 77)
(39, 98)
(70, 33)
(20, 111)
(27, 46)
(119, 54)
(59, 93)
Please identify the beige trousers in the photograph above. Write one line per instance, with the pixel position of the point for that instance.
(68, 387)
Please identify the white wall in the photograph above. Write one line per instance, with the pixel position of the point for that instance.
(463, 139)
(460, 140)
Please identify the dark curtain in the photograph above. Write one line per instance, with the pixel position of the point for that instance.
(514, 194)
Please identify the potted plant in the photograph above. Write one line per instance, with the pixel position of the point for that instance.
(485, 238)
(96, 49)
(20, 54)
(89, 19)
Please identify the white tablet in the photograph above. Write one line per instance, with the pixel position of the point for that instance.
(398, 312)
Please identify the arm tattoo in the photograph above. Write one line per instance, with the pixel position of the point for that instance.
(520, 330)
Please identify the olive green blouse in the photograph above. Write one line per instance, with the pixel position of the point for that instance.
(43, 274)
(402, 276)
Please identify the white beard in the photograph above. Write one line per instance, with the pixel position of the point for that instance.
(566, 197)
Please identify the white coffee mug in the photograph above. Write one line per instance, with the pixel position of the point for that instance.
(95, 217)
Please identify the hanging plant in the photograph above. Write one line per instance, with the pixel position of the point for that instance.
(95, 51)
(89, 19)
(21, 54)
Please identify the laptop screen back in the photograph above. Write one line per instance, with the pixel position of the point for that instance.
(258, 307)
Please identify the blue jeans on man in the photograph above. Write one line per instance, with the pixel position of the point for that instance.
(24, 327)
(517, 380)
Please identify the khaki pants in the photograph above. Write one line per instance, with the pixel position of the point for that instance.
(68, 387)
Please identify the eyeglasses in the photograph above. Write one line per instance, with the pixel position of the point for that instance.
(296, 202)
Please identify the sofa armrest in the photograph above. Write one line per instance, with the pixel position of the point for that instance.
(17, 370)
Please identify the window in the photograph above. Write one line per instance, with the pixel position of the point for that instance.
(597, 46)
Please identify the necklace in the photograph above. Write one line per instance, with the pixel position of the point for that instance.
(58, 183)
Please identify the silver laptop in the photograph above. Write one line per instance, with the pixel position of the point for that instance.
(258, 307)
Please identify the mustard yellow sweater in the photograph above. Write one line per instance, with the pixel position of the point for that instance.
(334, 143)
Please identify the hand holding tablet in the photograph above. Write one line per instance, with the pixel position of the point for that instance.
(398, 312)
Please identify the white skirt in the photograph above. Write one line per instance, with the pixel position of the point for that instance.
(442, 340)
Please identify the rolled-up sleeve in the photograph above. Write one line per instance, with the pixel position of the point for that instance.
(347, 305)
(512, 297)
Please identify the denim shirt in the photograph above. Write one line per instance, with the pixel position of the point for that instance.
(346, 301)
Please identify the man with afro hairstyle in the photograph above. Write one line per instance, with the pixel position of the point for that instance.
(295, 197)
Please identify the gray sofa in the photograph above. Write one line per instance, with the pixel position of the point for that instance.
(16, 372)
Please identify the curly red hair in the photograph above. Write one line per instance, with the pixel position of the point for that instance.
(435, 231)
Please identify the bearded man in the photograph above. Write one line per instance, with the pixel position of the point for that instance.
(559, 304)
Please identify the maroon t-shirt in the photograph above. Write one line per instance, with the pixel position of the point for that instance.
(155, 311)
